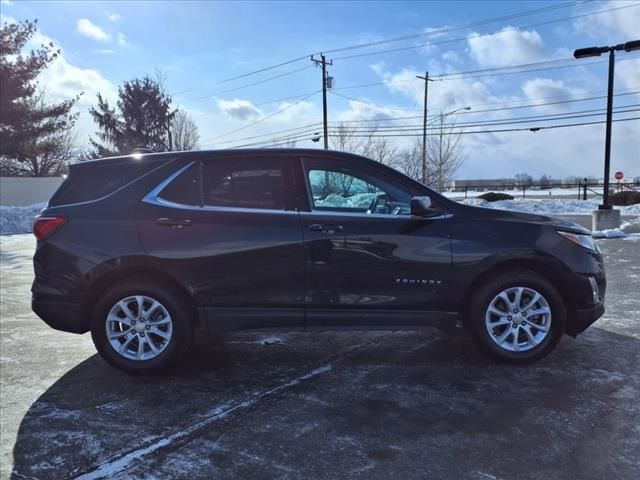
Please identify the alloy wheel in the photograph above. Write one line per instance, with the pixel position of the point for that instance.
(518, 319)
(139, 327)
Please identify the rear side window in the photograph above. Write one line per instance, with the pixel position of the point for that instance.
(86, 183)
(185, 188)
(244, 183)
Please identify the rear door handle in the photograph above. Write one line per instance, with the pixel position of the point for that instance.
(326, 229)
(174, 222)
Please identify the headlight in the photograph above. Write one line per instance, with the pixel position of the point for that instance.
(585, 241)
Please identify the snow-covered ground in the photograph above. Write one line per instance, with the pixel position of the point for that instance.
(549, 206)
(553, 192)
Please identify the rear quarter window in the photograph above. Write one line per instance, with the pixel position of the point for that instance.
(86, 183)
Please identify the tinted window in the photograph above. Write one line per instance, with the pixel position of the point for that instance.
(340, 189)
(185, 188)
(244, 183)
(93, 181)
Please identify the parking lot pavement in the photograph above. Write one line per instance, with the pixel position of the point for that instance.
(323, 405)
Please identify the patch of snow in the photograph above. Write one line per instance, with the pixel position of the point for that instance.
(15, 220)
(359, 200)
(271, 340)
(610, 233)
(517, 193)
(634, 237)
(549, 206)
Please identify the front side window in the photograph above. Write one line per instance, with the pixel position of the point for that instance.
(344, 189)
(244, 183)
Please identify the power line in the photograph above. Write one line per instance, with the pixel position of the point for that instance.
(262, 119)
(389, 82)
(295, 129)
(285, 74)
(314, 126)
(477, 35)
(414, 131)
(473, 112)
(406, 37)
(452, 29)
(493, 122)
(522, 129)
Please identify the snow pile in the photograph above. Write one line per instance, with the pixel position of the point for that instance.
(359, 200)
(549, 206)
(555, 192)
(18, 219)
(611, 233)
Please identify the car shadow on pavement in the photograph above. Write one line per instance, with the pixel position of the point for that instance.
(408, 402)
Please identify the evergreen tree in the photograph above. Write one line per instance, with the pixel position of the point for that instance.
(141, 118)
(27, 123)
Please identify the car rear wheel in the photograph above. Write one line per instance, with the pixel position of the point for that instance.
(518, 317)
(141, 327)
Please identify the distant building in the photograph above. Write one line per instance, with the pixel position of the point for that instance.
(482, 184)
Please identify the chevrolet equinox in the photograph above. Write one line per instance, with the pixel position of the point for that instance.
(146, 251)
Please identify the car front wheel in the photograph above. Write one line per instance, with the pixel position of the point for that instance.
(517, 317)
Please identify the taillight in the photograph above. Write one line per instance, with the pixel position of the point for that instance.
(45, 226)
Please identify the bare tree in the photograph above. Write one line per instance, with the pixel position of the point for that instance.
(445, 153)
(349, 139)
(184, 132)
(409, 161)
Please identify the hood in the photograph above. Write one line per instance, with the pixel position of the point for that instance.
(511, 216)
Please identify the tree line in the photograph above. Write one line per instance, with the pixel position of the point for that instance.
(39, 137)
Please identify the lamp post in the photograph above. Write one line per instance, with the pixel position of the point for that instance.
(596, 52)
(440, 117)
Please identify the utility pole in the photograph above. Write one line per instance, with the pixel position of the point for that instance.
(170, 137)
(323, 63)
(424, 125)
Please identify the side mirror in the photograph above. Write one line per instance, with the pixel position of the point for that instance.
(421, 207)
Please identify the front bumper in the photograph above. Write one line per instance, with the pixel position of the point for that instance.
(583, 318)
(61, 315)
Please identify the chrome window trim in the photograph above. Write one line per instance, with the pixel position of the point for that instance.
(153, 198)
(374, 215)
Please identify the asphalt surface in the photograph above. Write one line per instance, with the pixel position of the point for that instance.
(323, 405)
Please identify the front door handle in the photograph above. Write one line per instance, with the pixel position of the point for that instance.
(174, 222)
(326, 229)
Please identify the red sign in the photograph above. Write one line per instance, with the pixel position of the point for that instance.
(619, 175)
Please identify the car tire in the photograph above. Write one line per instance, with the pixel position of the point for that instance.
(160, 329)
(505, 331)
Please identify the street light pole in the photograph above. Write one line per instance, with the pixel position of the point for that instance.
(607, 137)
(596, 52)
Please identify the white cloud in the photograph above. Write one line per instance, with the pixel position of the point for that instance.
(89, 29)
(507, 47)
(612, 26)
(239, 109)
(450, 56)
(122, 40)
(628, 73)
(114, 17)
(445, 95)
(546, 88)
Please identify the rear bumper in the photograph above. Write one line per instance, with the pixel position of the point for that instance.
(61, 315)
(584, 318)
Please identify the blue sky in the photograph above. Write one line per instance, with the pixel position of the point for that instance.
(199, 44)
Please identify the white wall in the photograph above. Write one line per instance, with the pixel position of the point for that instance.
(23, 191)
